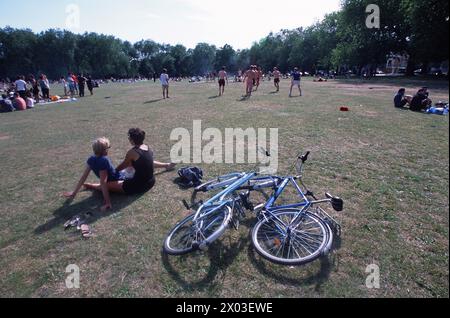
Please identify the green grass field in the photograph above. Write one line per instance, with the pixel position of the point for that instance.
(390, 166)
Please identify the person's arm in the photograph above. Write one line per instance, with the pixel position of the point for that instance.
(127, 162)
(72, 195)
(160, 165)
(104, 186)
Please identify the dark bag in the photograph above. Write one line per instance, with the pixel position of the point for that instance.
(189, 177)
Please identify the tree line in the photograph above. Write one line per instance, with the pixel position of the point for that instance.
(340, 41)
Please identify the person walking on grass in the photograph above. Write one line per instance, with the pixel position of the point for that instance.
(276, 78)
(249, 80)
(296, 78)
(223, 78)
(164, 79)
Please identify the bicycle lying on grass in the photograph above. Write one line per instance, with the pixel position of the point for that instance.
(291, 234)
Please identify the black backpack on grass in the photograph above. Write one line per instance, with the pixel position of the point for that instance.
(189, 177)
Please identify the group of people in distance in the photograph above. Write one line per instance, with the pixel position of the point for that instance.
(24, 94)
(254, 75)
(135, 175)
(251, 78)
(419, 102)
(74, 84)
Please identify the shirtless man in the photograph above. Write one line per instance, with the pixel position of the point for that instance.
(249, 78)
(276, 74)
(222, 78)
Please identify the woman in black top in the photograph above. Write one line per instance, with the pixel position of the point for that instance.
(140, 157)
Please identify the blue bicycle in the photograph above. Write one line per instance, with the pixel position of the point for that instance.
(292, 234)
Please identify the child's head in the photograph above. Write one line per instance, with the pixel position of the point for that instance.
(100, 146)
(401, 91)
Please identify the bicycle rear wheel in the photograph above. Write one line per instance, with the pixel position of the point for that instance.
(187, 236)
(280, 241)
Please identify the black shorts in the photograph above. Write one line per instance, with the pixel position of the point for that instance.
(133, 186)
(221, 82)
(276, 81)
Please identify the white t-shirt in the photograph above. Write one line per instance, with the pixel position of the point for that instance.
(164, 79)
(30, 102)
(21, 85)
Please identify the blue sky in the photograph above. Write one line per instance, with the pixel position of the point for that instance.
(188, 22)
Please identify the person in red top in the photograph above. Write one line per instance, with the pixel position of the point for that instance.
(75, 79)
(19, 103)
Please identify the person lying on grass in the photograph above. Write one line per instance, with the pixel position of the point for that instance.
(111, 180)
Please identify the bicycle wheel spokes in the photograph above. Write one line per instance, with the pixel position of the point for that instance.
(187, 235)
(296, 246)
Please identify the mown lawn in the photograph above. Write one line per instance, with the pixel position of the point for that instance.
(390, 166)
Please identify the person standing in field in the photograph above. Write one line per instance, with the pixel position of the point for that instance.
(62, 81)
(35, 89)
(45, 87)
(249, 79)
(72, 85)
(223, 78)
(90, 85)
(81, 84)
(21, 87)
(296, 77)
(276, 78)
(258, 76)
(75, 80)
(164, 79)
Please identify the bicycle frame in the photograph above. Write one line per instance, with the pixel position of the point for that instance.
(221, 197)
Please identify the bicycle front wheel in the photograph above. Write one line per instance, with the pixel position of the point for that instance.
(290, 237)
(187, 236)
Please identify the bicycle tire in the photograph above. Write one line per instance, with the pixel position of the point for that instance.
(311, 232)
(212, 227)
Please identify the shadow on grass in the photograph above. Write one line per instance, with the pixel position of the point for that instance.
(90, 205)
(219, 257)
(153, 101)
(214, 97)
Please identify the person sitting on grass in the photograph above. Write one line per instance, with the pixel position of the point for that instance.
(19, 103)
(6, 106)
(401, 100)
(140, 158)
(420, 101)
(103, 168)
